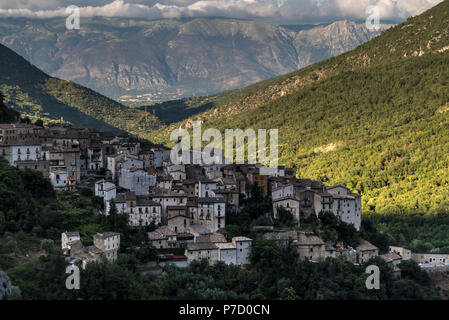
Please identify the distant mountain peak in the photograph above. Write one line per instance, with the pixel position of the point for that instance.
(168, 59)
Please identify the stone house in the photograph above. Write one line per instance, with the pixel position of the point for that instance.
(310, 247)
(180, 221)
(259, 180)
(206, 187)
(137, 180)
(431, 258)
(227, 253)
(405, 254)
(109, 243)
(68, 238)
(210, 213)
(211, 238)
(243, 248)
(393, 260)
(290, 204)
(198, 251)
(236, 252)
(198, 230)
(167, 198)
(231, 198)
(163, 238)
(145, 212)
(106, 246)
(366, 251)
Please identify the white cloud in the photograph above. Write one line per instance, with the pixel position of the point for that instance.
(281, 11)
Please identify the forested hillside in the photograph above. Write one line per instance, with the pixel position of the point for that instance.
(375, 118)
(30, 91)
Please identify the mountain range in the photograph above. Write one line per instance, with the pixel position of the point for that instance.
(141, 61)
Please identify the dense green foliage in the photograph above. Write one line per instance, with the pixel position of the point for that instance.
(255, 211)
(333, 229)
(275, 273)
(375, 118)
(371, 129)
(32, 260)
(421, 233)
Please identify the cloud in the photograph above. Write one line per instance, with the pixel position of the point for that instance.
(281, 11)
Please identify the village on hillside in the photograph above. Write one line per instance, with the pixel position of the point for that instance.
(188, 204)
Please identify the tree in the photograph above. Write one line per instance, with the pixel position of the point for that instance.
(39, 123)
(117, 222)
(2, 223)
(15, 294)
(334, 229)
(284, 217)
(48, 245)
(411, 270)
(26, 120)
(87, 192)
(97, 202)
(5, 285)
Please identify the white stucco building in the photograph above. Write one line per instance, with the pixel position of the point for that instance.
(137, 180)
(109, 243)
(26, 152)
(67, 238)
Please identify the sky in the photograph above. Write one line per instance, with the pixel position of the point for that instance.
(276, 11)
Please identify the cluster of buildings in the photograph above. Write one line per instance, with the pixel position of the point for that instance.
(69, 154)
(427, 261)
(188, 203)
(303, 197)
(313, 248)
(105, 247)
(158, 190)
(201, 243)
